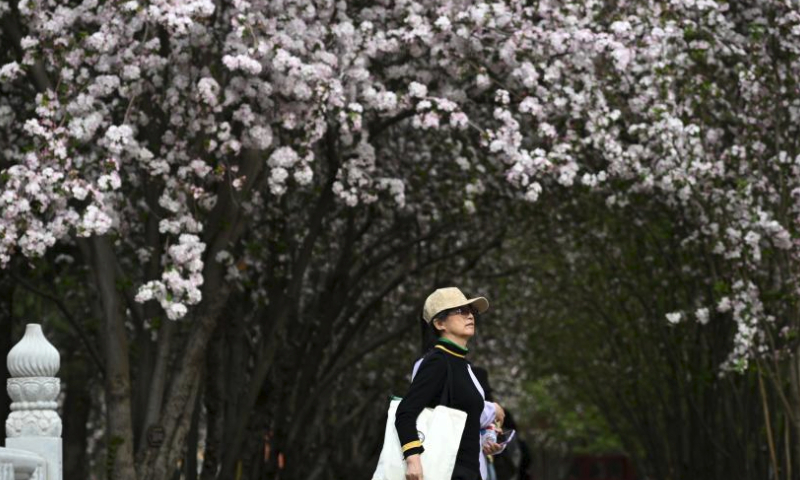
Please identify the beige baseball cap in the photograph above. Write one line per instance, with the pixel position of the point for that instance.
(450, 297)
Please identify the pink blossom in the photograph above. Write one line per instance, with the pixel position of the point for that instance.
(244, 63)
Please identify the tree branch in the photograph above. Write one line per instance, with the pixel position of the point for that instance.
(84, 338)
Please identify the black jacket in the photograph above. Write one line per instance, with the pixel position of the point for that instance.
(427, 390)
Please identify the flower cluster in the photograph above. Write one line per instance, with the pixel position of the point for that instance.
(180, 284)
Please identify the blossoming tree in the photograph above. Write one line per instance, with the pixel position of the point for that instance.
(148, 136)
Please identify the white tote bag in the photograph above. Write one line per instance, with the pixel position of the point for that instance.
(440, 432)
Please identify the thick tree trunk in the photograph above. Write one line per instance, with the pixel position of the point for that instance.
(159, 459)
(6, 343)
(117, 382)
(142, 382)
(238, 416)
(158, 381)
(190, 460)
(235, 358)
(213, 398)
(794, 376)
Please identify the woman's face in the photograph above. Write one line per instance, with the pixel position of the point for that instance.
(459, 322)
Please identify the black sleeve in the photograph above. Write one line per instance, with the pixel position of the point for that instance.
(426, 387)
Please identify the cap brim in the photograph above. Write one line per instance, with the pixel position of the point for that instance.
(480, 302)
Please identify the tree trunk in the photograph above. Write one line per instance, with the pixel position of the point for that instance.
(235, 362)
(142, 382)
(190, 462)
(213, 398)
(158, 460)
(241, 406)
(794, 377)
(117, 381)
(158, 381)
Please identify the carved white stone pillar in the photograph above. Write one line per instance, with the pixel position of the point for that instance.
(34, 424)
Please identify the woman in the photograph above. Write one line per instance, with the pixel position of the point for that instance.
(451, 318)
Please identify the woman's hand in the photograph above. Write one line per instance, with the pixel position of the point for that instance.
(490, 448)
(413, 467)
(499, 414)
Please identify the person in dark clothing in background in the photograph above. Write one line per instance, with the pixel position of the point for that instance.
(515, 460)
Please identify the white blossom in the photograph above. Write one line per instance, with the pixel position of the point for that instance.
(10, 71)
(417, 90)
(702, 315)
(674, 317)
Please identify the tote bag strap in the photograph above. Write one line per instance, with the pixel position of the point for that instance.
(447, 391)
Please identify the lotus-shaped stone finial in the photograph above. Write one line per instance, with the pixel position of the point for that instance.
(33, 356)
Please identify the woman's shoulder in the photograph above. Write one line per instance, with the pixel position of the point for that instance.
(433, 359)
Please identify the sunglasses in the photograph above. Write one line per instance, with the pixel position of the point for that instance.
(465, 311)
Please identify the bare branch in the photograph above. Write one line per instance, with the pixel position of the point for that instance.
(75, 324)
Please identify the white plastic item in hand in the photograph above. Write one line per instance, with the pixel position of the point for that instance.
(490, 435)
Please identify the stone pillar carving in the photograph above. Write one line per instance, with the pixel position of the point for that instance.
(21, 465)
(34, 424)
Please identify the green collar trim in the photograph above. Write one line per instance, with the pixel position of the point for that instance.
(454, 344)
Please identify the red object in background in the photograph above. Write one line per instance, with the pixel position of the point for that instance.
(601, 467)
